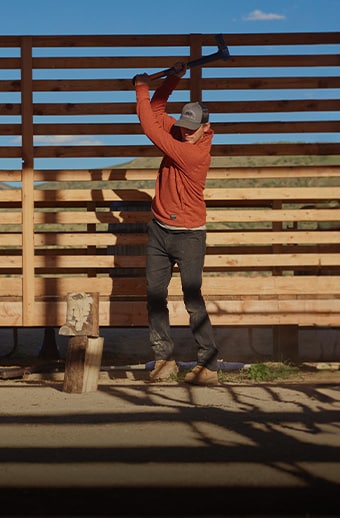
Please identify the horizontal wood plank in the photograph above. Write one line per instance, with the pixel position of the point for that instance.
(129, 128)
(234, 313)
(213, 216)
(213, 239)
(129, 108)
(144, 194)
(145, 62)
(220, 173)
(236, 286)
(220, 150)
(286, 261)
(217, 238)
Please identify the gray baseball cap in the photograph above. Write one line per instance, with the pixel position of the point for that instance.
(193, 115)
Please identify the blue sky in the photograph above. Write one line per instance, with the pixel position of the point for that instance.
(77, 17)
(19, 17)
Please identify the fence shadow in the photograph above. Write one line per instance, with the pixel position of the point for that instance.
(171, 450)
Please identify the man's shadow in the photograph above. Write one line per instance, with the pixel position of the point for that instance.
(123, 225)
(125, 216)
(121, 218)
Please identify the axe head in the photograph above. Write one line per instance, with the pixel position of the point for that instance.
(222, 47)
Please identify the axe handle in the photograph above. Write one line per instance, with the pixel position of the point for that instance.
(194, 63)
(221, 54)
(162, 73)
(208, 59)
(158, 75)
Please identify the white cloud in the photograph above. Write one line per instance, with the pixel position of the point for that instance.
(257, 15)
(60, 140)
(67, 140)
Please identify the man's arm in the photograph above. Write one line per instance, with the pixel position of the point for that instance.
(161, 95)
(163, 92)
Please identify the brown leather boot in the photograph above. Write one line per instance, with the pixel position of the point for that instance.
(163, 370)
(201, 376)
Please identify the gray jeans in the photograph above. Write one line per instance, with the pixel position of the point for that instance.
(186, 249)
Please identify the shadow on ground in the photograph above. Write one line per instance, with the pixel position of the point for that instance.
(139, 449)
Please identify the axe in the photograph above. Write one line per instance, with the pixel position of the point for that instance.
(222, 53)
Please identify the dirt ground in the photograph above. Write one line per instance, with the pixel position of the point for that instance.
(131, 448)
(136, 449)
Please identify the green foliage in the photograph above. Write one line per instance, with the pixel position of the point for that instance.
(270, 371)
(260, 373)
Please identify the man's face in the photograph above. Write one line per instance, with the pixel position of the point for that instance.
(192, 136)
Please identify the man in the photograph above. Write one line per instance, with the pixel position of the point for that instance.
(177, 233)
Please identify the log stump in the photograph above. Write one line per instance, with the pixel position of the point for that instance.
(85, 347)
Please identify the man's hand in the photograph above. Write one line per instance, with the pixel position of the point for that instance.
(180, 68)
(141, 79)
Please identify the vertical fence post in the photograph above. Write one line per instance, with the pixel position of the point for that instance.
(195, 72)
(27, 189)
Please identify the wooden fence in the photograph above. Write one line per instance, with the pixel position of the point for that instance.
(74, 207)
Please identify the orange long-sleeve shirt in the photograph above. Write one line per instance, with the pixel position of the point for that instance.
(179, 199)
